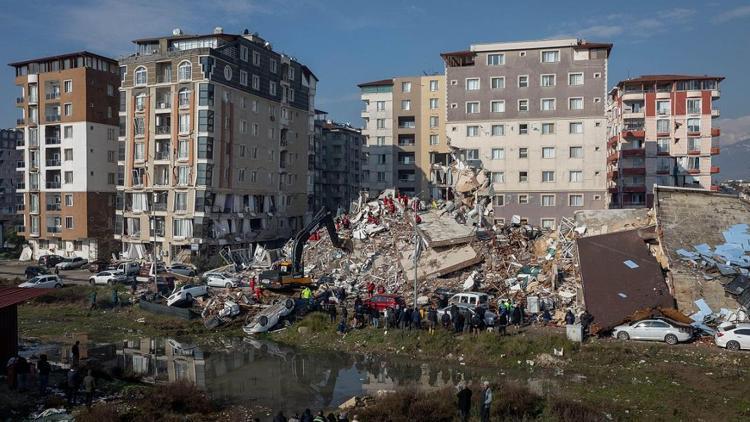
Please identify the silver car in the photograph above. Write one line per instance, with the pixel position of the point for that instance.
(269, 317)
(664, 330)
(72, 263)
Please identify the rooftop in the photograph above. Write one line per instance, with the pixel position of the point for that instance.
(63, 56)
(382, 82)
(13, 295)
(664, 78)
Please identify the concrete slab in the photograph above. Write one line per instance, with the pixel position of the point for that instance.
(440, 231)
(437, 262)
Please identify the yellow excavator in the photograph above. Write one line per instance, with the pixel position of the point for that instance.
(289, 273)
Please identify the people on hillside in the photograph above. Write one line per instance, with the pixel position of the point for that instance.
(485, 402)
(464, 401)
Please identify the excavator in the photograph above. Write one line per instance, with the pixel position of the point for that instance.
(289, 273)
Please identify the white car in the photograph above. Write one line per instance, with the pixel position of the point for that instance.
(221, 280)
(72, 263)
(43, 281)
(664, 330)
(186, 293)
(108, 277)
(733, 336)
(269, 317)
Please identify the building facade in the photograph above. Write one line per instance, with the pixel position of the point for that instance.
(533, 115)
(661, 132)
(67, 110)
(9, 160)
(377, 128)
(341, 173)
(214, 135)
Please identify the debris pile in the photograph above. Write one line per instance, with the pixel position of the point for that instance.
(728, 259)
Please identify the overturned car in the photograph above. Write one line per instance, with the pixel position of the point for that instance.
(269, 317)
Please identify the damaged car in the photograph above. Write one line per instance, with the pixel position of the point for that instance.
(269, 317)
(185, 294)
(733, 336)
(668, 331)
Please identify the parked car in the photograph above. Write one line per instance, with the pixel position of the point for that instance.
(50, 261)
(100, 265)
(381, 302)
(489, 316)
(182, 269)
(666, 330)
(72, 263)
(222, 280)
(186, 293)
(35, 270)
(470, 299)
(269, 317)
(43, 281)
(129, 268)
(733, 336)
(108, 277)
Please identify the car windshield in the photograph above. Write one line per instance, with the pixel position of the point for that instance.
(36, 280)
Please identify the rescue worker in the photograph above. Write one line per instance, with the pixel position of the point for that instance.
(307, 294)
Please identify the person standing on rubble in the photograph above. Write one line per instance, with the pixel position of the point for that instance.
(375, 317)
(476, 323)
(570, 319)
(402, 318)
(502, 323)
(586, 319)
(515, 318)
(307, 295)
(416, 319)
(446, 320)
(431, 319)
(370, 288)
(484, 411)
(332, 312)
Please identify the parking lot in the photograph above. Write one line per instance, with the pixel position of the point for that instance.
(13, 269)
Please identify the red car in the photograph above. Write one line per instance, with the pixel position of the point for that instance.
(384, 301)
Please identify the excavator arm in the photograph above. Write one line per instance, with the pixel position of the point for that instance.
(323, 217)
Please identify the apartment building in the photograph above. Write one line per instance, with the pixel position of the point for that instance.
(9, 158)
(67, 110)
(661, 132)
(532, 113)
(404, 121)
(214, 135)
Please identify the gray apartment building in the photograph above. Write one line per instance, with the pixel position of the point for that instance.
(214, 136)
(533, 114)
(9, 159)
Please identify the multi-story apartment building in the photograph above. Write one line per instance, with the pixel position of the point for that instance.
(68, 114)
(214, 134)
(404, 121)
(340, 171)
(661, 132)
(532, 113)
(9, 158)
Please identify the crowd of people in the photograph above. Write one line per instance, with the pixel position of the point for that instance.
(307, 416)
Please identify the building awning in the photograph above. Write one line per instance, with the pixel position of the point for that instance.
(13, 295)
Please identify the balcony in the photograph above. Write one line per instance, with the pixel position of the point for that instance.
(613, 174)
(20, 165)
(53, 185)
(34, 166)
(54, 207)
(20, 100)
(20, 207)
(715, 150)
(20, 122)
(21, 229)
(715, 169)
(163, 103)
(634, 171)
(52, 118)
(635, 152)
(634, 189)
(715, 113)
(663, 170)
(163, 130)
(55, 95)
(694, 171)
(34, 186)
(52, 140)
(613, 189)
(715, 131)
(612, 142)
(54, 229)
(160, 155)
(160, 206)
(611, 158)
(53, 162)
(634, 132)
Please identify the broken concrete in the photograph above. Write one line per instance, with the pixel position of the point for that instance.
(438, 232)
(437, 262)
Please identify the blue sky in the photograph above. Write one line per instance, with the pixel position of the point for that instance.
(346, 42)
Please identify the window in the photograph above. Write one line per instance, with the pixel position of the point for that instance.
(523, 129)
(180, 201)
(575, 79)
(523, 176)
(243, 53)
(548, 104)
(206, 95)
(434, 121)
(256, 58)
(138, 152)
(68, 200)
(272, 87)
(274, 66)
(575, 200)
(523, 105)
(243, 78)
(205, 120)
(110, 156)
(472, 84)
(523, 199)
(548, 200)
(380, 105)
(548, 152)
(498, 130)
(548, 80)
(575, 103)
(662, 107)
(576, 152)
(68, 109)
(694, 163)
(575, 127)
(472, 107)
(548, 176)
(256, 129)
(523, 152)
(405, 105)
(694, 125)
(433, 103)
(205, 147)
(575, 176)
(548, 223)
(182, 149)
(183, 98)
(141, 76)
(184, 123)
(694, 106)
(662, 126)
(472, 154)
(380, 140)
(433, 86)
(68, 222)
(182, 175)
(694, 144)
(434, 139)
(380, 123)
(548, 128)
(68, 132)
(256, 82)
(499, 200)
(550, 56)
(498, 106)
(68, 86)
(405, 86)
(472, 131)
(662, 145)
(495, 59)
(68, 177)
(498, 153)
(241, 175)
(68, 153)
(497, 82)
(140, 102)
(497, 177)
(523, 81)
(185, 71)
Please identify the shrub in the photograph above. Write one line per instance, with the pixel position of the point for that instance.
(98, 413)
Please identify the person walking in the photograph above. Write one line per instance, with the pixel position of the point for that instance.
(43, 368)
(416, 319)
(75, 353)
(515, 318)
(332, 312)
(432, 319)
(464, 401)
(375, 316)
(115, 298)
(486, 402)
(92, 301)
(89, 385)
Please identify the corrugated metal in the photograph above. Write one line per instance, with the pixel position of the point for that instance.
(13, 295)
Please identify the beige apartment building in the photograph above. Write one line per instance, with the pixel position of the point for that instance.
(66, 177)
(661, 132)
(214, 135)
(532, 113)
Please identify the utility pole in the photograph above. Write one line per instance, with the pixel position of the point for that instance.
(417, 247)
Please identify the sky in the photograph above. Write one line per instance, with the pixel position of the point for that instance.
(346, 42)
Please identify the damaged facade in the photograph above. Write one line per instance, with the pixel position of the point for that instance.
(214, 134)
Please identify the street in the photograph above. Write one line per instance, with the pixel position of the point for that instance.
(12, 269)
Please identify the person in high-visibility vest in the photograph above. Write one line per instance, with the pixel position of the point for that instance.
(306, 294)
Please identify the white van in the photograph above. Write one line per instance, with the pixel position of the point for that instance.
(129, 268)
(470, 299)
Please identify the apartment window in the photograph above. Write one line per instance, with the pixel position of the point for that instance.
(548, 104)
(185, 71)
(662, 126)
(68, 200)
(575, 200)
(497, 82)
(575, 103)
(433, 86)
(380, 105)
(548, 200)
(495, 59)
(523, 129)
(184, 123)
(694, 106)
(498, 153)
(405, 105)
(243, 78)
(138, 151)
(434, 139)
(576, 152)
(380, 140)
(548, 128)
(381, 158)
(381, 176)
(548, 176)
(472, 84)
(662, 107)
(548, 223)
(182, 175)
(141, 76)
(68, 154)
(256, 58)
(548, 80)
(110, 156)
(523, 176)
(68, 177)
(256, 129)
(274, 66)
(68, 132)
(68, 222)
(498, 106)
(497, 177)
(180, 201)
(523, 152)
(205, 147)
(405, 86)
(472, 131)
(523, 199)
(205, 120)
(182, 149)
(434, 121)
(380, 123)
(68, 109)
(694, 144)
(575, 79)
(433, 103)
(472, 107)
(68, 86)
(662, 145)
(523, 105)
(523, 81)
(548, 152)
(498, 130)
(243, 53)
(206, 95)
(550, 56)
(694, 125)
(140, 102)
(256, 82)
(575, 176)
(272, 87)
(575, 127)
(499, 200)
(111, 178)
(694, 163)
(183, 98)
